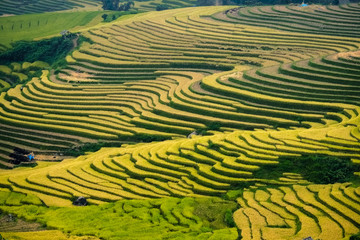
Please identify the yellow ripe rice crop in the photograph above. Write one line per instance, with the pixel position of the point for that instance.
(306, 213)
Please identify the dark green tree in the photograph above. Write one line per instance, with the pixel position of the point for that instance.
(104, 16)
(126, 6)
(116, 6)
(161, 7)
(107, 4)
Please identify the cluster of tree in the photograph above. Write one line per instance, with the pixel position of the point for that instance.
(19, 155)
(161, 7)
(144, 137)
(115, 15)
(89, 147)
(116, 5)
(47, 50)
(316, 168)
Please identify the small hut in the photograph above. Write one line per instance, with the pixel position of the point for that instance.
(303, 4)
(65, 33)
(31, 157)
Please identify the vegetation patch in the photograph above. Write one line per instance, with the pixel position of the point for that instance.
(89, 147)
(113, 15)
(355, 236)
(47, 50)
(321, 169)
(15, 73)
(166, 218)
(215, 212)
(144, 137)
(9, 222)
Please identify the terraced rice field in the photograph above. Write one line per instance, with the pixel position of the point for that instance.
(328, 20)
(151, 5)
(18, 7)
(133, 81)
(272, 94)
(324, 212)
(184, 167)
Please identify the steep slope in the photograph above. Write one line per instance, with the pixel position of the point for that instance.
(159, 75)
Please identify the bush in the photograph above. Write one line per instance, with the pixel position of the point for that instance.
(161, 7)
(143, 137)
(320, 169)
(355, 237)
(115, 15)
(48, 50)
(228, 218)
(216, 212)
(215, 126)
(89, 147)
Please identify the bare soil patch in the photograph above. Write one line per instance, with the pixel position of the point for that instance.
(10, 223)
(348, 55)
(7, 15)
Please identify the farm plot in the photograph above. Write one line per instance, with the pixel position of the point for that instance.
(35, 26)
(154, 77)
(28, 6)
(309, 19)
(168, 218)
(152, 5)
(259, 98)
(298, 212)
(201, 166)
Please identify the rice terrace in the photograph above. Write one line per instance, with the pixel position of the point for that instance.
(179, 119)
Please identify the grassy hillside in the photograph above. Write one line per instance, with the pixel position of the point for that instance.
(34, 26)
(270, 105)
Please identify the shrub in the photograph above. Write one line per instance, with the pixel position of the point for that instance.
(143, 137)
(216, 212)
(161, 7)
(320, 169)
(228, 219)
(104, 16)
(89, 147)
(47, 50)
(355, 237)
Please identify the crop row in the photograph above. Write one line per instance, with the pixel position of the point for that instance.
(310, 19)
(178, 104)
(208, 165)
(26, 7)
(166, 218)
(151, 77)
(302, 80)
(297, 212)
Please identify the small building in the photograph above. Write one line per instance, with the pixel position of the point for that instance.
(31, 156)
(80, 201)
(303, 4)
(65, 33)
